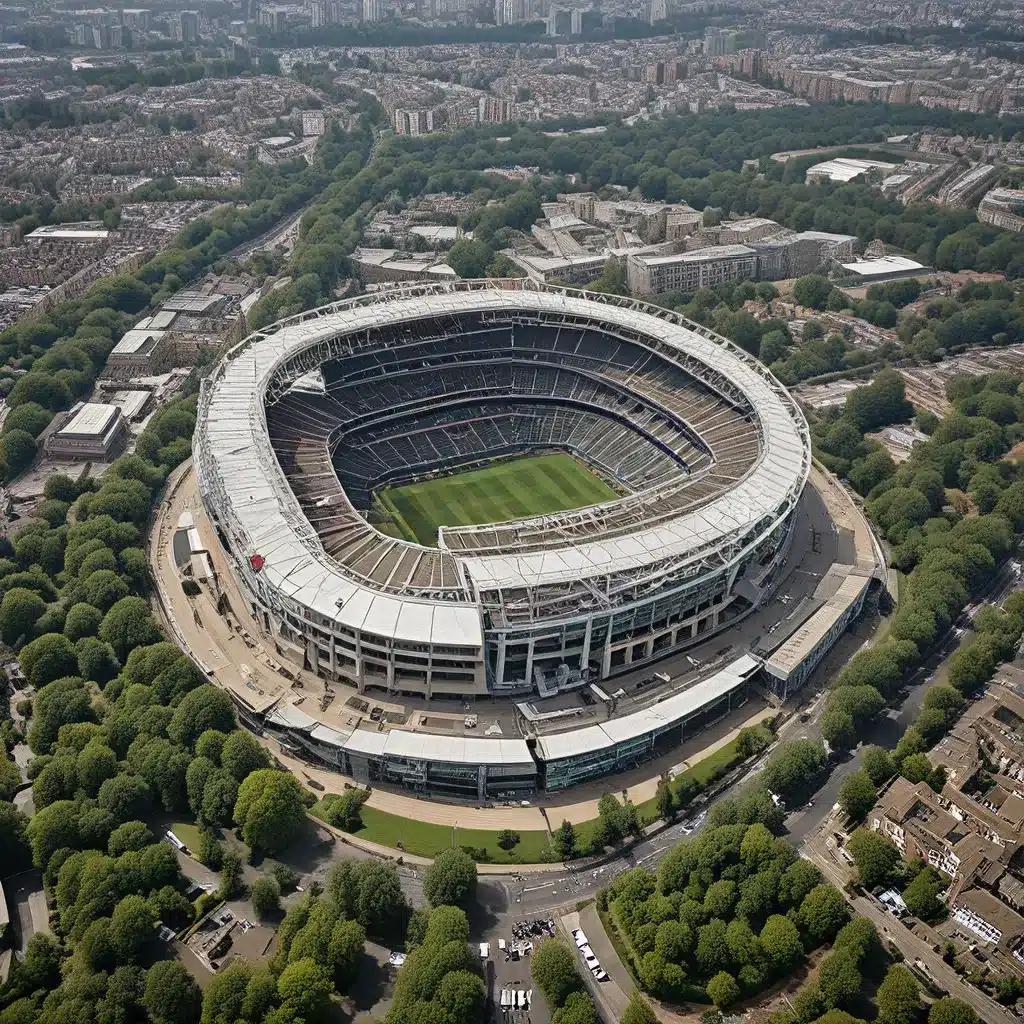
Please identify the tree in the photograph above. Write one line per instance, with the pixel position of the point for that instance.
(230, 875)
(451, 880)
(857, 794)
(265, 896)
(131, 928)
(82, 620)
(665, 800)
(128, 625)
(898, 997)
(838, 729)
(922, 894)
(344, 810)
(94, 765)
(469, 258)
(712, 951)
(20, 610)
(305, 989)
(878, 763)
(723, 990)
(226, 992)
(720, 898)
(554, 971)
(812, 290)
(951, 1011)
(132, 835)
(638, 1011)
(127, 797)
(563, 842)
(508, 839)
(876, 858)
(823, 912)
(62, 702)
(792, 768)
(380, 904)
(578, 1009)
(47, 658)
(780, 941)
(839, 979)
(206, 707)
(17, 450)
(171, 995)
(211, 744)
(219, 796)
(242, 754)
(271, 809)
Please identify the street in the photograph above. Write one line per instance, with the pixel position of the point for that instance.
(910, 945)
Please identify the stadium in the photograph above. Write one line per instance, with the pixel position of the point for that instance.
(471, 491)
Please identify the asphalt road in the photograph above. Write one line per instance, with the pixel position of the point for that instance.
(886, 732)
(912, 946)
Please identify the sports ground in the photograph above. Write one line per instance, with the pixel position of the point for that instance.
(513, 489)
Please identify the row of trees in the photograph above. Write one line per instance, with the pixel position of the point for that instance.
(923, 508)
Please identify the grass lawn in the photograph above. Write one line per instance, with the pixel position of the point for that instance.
(702, 773)
(426, 840)
(512, 489)
(188, 834)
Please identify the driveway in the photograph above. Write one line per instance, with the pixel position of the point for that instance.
(612, 995)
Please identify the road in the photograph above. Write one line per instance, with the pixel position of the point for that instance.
(886, 732)
(277, 235)
(910, 945)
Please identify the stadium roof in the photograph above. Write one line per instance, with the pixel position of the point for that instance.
(666, 713)
(240, 473)
(425, 746)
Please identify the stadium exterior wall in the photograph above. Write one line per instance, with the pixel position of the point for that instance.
(342, 628)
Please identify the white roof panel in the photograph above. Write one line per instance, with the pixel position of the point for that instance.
(426, 746)
(292, 717)
(93, 420)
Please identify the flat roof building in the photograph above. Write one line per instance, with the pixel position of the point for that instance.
(1003, 207)
(569, 758)
(686, 272)
(845, 169)
(142, 350)
(789, 666)
(883, 268)
(94, 431)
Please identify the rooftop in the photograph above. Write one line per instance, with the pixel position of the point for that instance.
(657, 717)
(876, 266)
(92, 420)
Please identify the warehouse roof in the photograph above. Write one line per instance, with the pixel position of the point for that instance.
(805, 640)
(876, 266)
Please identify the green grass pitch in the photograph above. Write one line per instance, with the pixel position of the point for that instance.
(529, 486)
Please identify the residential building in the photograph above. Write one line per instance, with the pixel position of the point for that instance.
(189, 26)
(1003, 207)
(686, 272)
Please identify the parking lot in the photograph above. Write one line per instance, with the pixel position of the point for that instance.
(508, 973)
